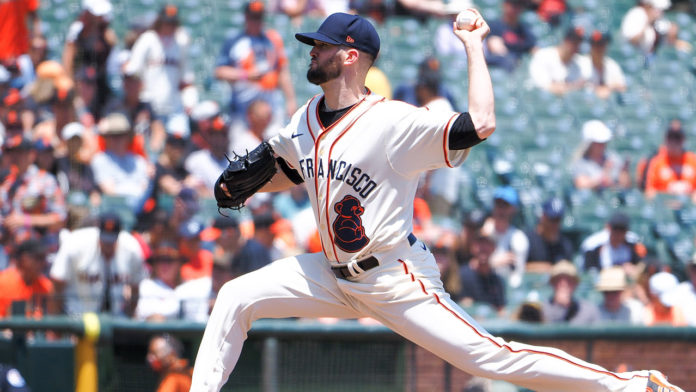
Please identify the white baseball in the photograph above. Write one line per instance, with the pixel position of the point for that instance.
(465, 20)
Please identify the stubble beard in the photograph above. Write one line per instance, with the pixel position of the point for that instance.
(319, 74)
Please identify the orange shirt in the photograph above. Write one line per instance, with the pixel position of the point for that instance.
(199, 266)
(177, 380)
(674, 317)
(660, 173)
(13, 288)
(14, 35)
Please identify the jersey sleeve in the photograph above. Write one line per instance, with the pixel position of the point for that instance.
(419, 141)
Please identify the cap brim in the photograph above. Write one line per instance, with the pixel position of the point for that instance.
(309, 38)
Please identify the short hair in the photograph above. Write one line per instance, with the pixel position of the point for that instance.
(173, 344)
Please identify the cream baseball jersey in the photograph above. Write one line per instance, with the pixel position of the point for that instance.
(363, 193)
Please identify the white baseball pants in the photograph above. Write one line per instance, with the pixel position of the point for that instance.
(405, 294)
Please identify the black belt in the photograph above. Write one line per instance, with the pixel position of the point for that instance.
(371, 262)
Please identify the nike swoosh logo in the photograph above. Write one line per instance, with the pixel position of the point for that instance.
(423, 246)
(294, 135)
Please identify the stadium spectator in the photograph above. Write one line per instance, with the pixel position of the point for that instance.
(443, 252)
(206, 164)
(512, 245)
(664, 308)
(164, 355)
(510, 38)
(146, 124)
(615, 306)
(645, 27)
(99, 269)
(265, 224)
(547, 244)
(118, 171)
(258, 117)
(603, 74)
(255, 64)
(673, 169)
(45, 156)
(378, 82)
(550, 11)
(202, 117)
(290, 203)
(198, 296)
(479, 282)
(596, 167)
(612, 246)
(563, 307)
(30, 198)
(170, 174)
(445, 45)
(157, 299)
(160, 60)
(687, 292)
(556, 68)
(429, 68)
(471, 225)
(226, 235)
(74, 174)
(296, 9)
(25, 281)
(198, 261)
(19, 24)
(88, 44)
(425, 9)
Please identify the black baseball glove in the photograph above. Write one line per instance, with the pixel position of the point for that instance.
(244, 176)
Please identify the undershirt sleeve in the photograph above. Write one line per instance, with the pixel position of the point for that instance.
(463, 133)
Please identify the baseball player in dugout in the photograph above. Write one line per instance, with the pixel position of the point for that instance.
(360, 155)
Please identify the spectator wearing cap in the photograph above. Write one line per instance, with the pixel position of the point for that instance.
(30, 198)
(203, 116)
(25, 281)
(615, 245)
(510, 38)
(512, 245)
(117, 170)
(597, 167)
(256, 66)
(479, 282)
(198, 296)
(563, 307)
(171, 175)
(616, 307)
(74, 174)
(603, 74)
(673, 169)
(687, 292)
(149, 129)
(88, 44)
(198, 262)
(45, 155)
(471, 225)
(157, 297)
(206, 164)
(664, 308)
(557, 68)
(547, 244)
(160, 59)
(99, 269)
(645, 27)
(226, 235)
(259, 250)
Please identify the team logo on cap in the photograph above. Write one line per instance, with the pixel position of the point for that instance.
(348, 229)
(350, 39)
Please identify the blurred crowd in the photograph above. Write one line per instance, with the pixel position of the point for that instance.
(106, 192)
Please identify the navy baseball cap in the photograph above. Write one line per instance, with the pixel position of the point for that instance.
(345, 29)
(553, 208)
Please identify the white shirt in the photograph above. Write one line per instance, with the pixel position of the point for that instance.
(613, 75)
(80, 264)
(636, 22)
(687, 296)
(194, 297)
(127, 174)
(546, 68)
(203, 166)
(512, 240)
(156, 298)
(162, 64)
